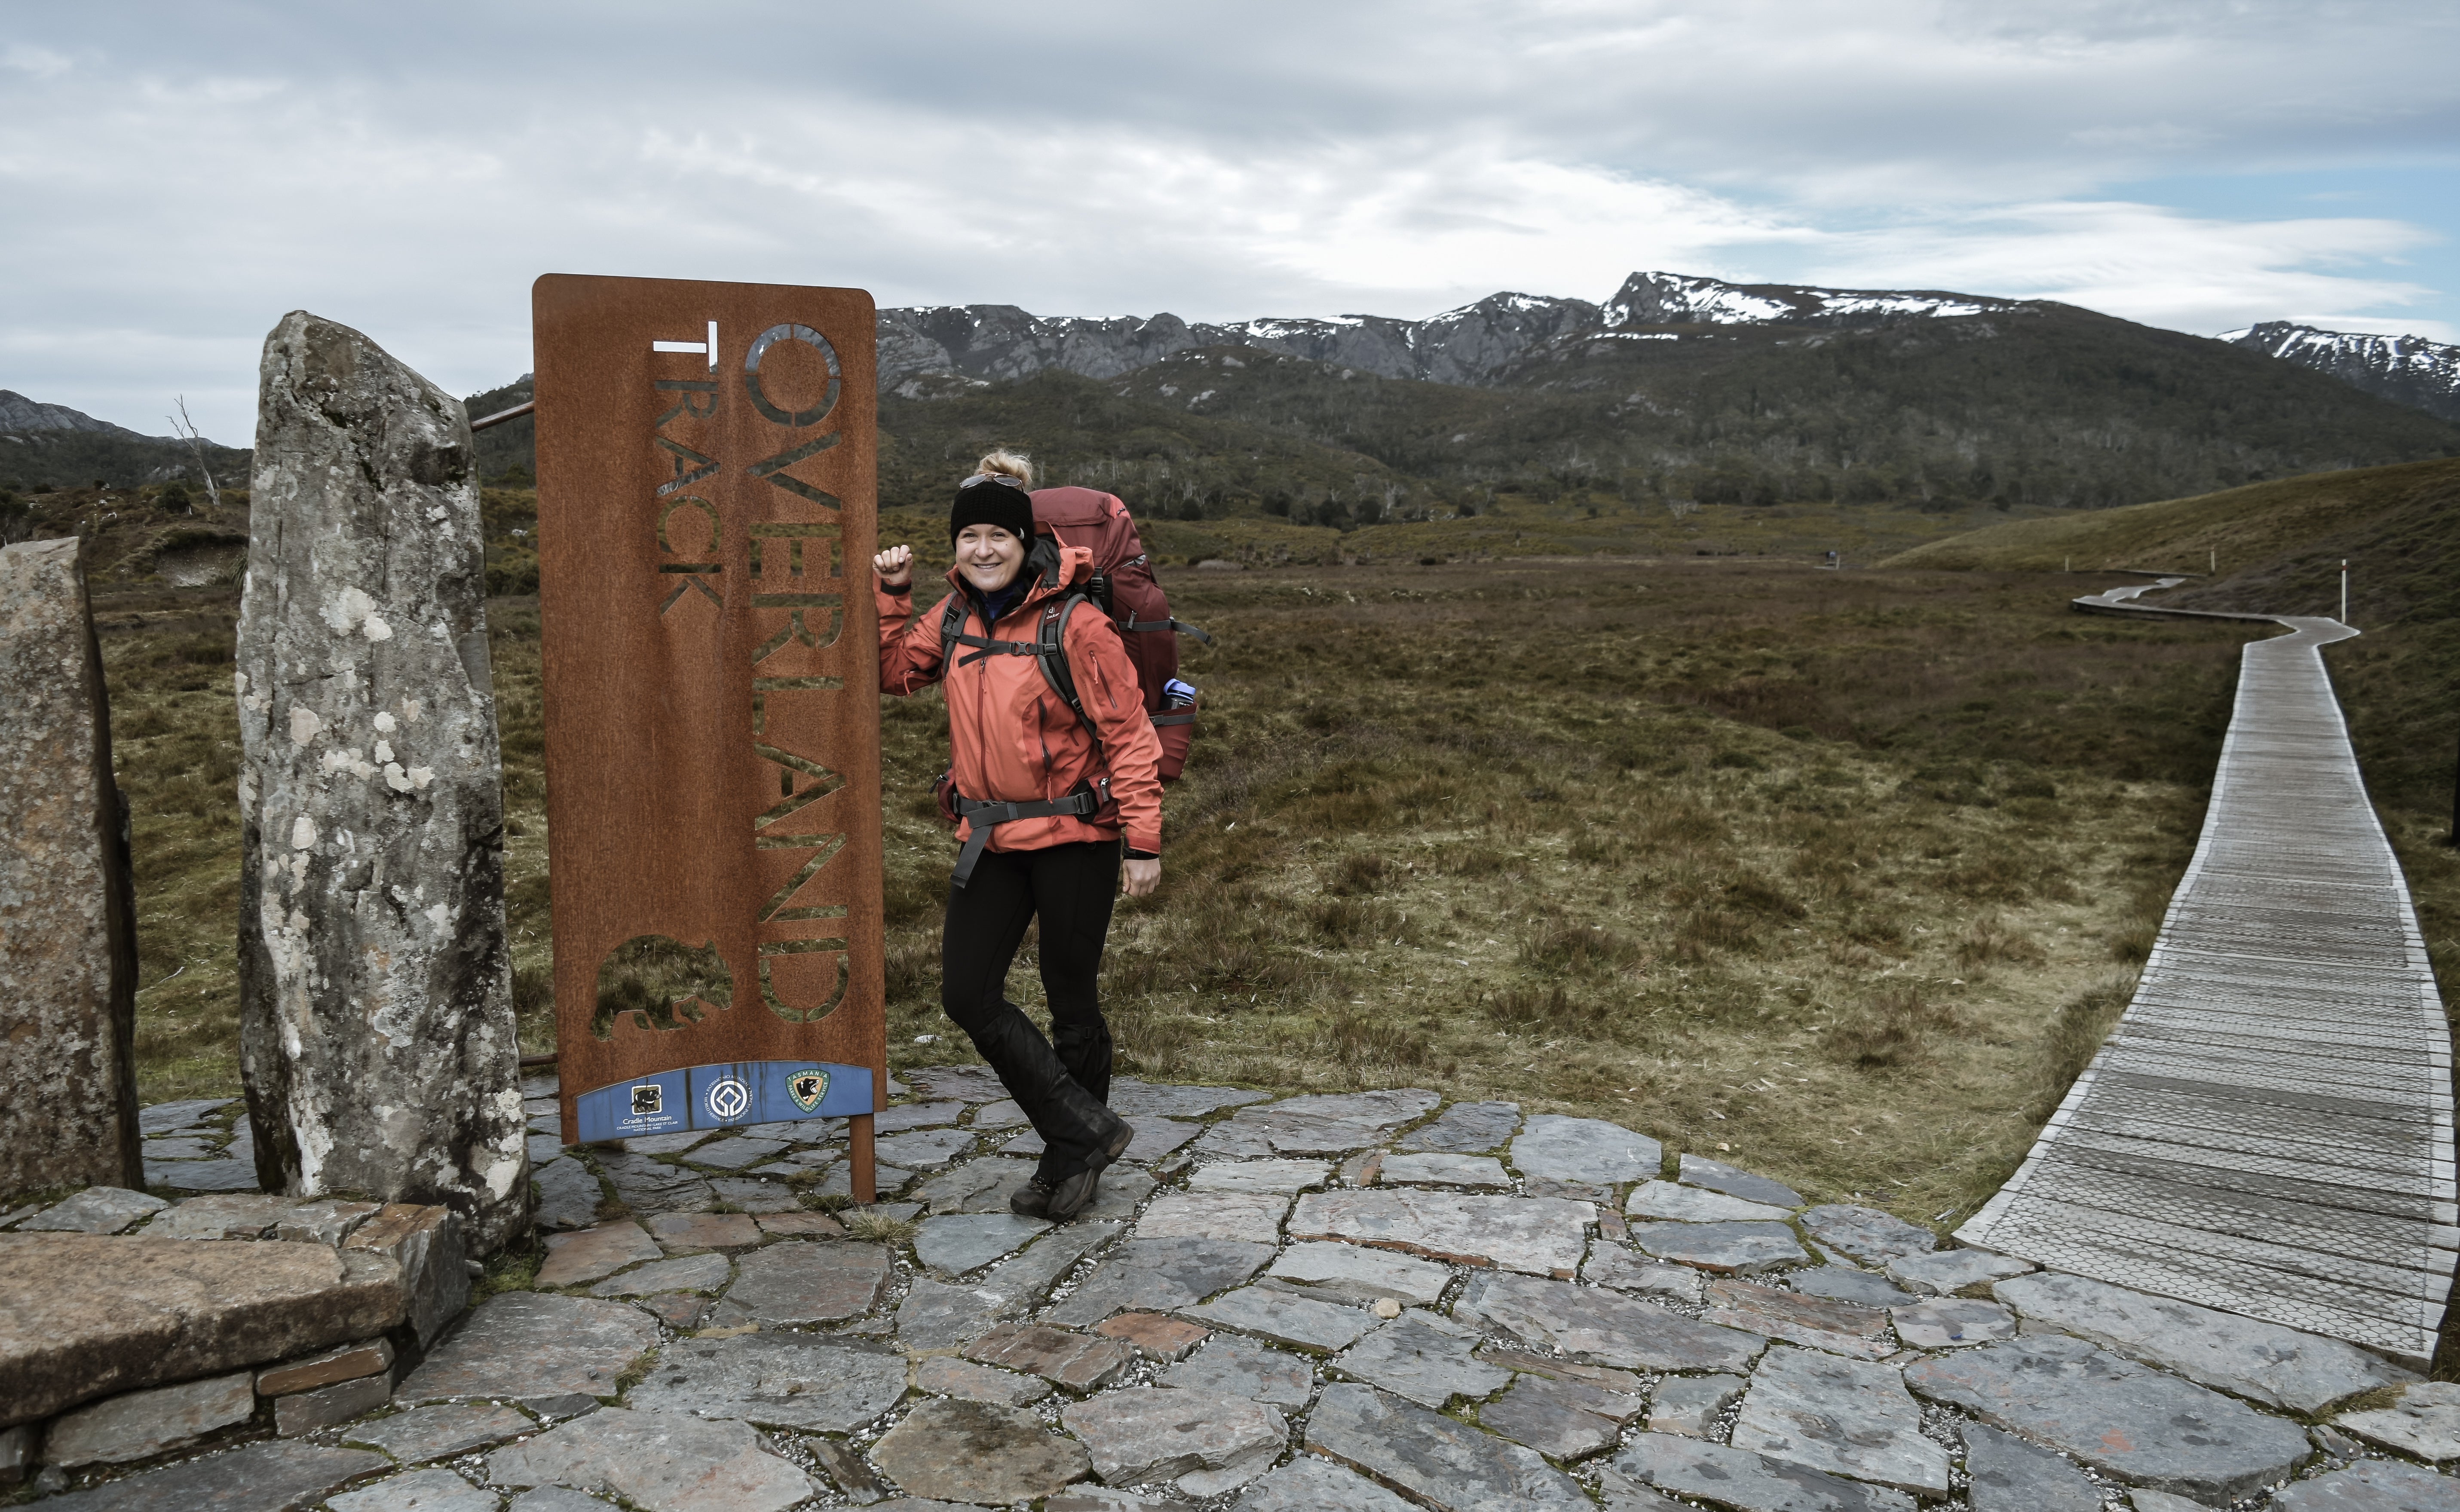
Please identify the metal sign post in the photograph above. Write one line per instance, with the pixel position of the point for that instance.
(706, 514)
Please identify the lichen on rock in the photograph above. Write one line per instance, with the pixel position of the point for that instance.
(377, 1035)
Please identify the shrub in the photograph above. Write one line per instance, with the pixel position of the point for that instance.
(2003, 875)
(1596, 848)
(912, 968)
(2134, 938)
(2083, 1023)
(197, 651)
(1990, 940)
(513, 574)
(1707, 932)
(1761, 896)
(1893, 1029)
(1570, 945)
(1478, 861)
(148, 721)
(1348, 921)
(909, 895)
(534, 995)
(1373, 1039)
(1361, 873)
(1527, 1008)
(661, 983)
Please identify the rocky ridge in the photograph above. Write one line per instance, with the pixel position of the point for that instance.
(1471, 344)
(2407, 370)
(22, 415)
(1365, 1302)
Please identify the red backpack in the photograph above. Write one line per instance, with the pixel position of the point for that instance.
(1124, 588)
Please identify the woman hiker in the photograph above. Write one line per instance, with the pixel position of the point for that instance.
(1046, 803)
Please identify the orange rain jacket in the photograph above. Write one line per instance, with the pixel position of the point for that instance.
(1012, 738)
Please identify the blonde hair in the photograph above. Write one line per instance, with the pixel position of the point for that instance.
(1008, 464)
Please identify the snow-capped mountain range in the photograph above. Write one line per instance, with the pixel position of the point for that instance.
(989, 343)
(2408, 370)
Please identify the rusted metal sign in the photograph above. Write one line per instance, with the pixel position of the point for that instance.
(706, 515)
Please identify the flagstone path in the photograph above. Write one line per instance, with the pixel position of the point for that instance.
(1281, 1305)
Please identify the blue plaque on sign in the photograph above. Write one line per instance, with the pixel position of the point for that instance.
(723, 1097)
(659, 1105)
(810, 1088)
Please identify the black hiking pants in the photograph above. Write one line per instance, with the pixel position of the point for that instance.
(1061, 1081)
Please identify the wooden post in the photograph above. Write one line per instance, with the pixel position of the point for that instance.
(862, 1178)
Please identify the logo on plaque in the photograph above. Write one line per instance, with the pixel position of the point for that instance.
(807, 1087)
(648, 1099)
(729, 1099)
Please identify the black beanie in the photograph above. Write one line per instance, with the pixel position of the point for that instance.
(1005, 505)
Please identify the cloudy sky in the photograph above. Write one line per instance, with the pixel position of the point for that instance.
(178, 176)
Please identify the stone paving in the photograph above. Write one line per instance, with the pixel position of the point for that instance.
(1360, 1303)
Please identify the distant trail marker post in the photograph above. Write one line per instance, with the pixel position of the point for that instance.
(707, 509)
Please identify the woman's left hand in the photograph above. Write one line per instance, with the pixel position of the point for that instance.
(1142, 877)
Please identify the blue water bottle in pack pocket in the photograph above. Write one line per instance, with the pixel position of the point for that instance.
(1175, 725)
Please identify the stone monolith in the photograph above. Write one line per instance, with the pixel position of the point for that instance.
(376, 1031)
(68, 934)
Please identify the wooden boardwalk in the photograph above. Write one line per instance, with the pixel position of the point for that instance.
(2268, 1130)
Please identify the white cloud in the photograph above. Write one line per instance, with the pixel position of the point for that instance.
(39, 61)
(2147, 263)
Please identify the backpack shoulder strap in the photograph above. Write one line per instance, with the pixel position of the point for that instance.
(1051, 654)
(952, 621)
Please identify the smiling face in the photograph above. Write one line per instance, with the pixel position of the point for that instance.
(989, 557)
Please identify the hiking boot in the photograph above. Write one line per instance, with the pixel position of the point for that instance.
(1072, 1195)
(1032, 1199)
(1112, 1140)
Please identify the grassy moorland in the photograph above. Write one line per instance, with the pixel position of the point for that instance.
(1840, 873)
(2280, 547)
(1844, 873)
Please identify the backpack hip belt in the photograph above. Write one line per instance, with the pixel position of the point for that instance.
(988, 815)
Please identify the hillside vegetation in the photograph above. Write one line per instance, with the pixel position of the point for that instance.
(2248, 530)
(2038, 410)
(2056, 410)
(2280, 547)
(87, 454)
